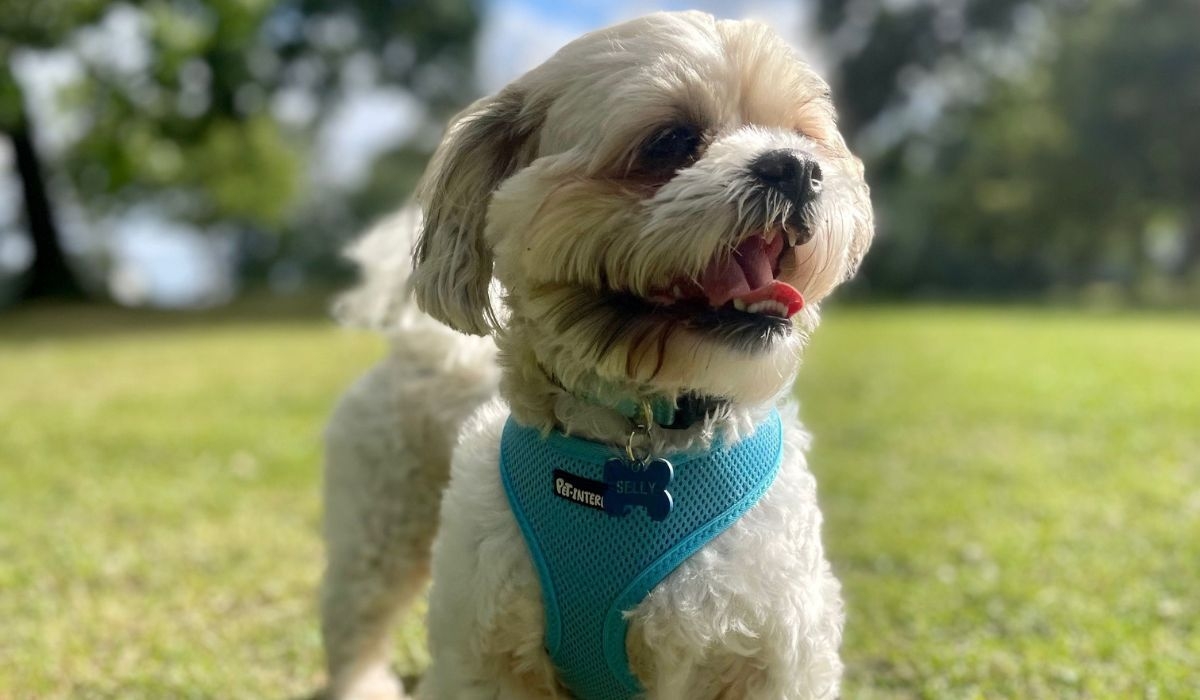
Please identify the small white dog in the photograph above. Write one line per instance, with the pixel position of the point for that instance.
(641, 230)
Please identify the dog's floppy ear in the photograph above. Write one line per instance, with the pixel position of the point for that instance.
(452, 261)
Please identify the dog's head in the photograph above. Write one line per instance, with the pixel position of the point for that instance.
(664, 203)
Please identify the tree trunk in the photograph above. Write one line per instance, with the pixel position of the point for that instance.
(51, 275)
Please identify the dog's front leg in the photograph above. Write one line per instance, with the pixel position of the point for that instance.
(757, 614)
(486, 622)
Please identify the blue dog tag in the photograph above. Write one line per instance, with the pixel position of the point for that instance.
(638, 483)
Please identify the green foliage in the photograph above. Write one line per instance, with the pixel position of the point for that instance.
(44, 22)
(180, 129)
(38, 24)
(395, 171)
(1071, 171)
(427, 45)
(194, 131)
(1010, 497)
(248, 169)
(889, 40)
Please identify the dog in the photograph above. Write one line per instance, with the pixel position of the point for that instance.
(618, 258)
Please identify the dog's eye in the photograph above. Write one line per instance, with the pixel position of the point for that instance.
(671, 148)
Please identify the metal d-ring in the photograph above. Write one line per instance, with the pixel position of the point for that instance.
(641, 428)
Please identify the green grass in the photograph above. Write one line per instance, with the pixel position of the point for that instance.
(1012, 500)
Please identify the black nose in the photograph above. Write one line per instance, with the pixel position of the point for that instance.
(790, 174)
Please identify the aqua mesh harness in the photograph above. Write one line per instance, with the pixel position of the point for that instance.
(602, 537)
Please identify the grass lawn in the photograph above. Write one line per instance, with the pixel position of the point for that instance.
(1012, 501)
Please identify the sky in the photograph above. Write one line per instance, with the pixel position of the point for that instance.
(519, 34)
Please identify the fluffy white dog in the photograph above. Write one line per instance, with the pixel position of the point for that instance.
(641, 231)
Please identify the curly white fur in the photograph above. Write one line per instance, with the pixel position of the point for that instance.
(535, 217)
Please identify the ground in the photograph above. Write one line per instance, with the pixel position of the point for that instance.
(1012, 500)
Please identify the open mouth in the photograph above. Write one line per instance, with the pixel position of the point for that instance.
(746, 282)
(737, 299)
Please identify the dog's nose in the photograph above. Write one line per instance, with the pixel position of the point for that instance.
(792, 175)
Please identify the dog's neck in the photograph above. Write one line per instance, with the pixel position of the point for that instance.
(655, 410)
(587, 406)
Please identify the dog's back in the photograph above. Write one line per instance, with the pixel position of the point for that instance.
(388, 447)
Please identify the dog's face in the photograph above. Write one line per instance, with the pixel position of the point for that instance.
(664, 203)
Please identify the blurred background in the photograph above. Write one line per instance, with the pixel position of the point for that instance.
(1007, 399)
(180, 153)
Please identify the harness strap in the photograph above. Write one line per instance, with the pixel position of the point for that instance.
(595, 564)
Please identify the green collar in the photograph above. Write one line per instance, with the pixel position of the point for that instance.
(674, 414)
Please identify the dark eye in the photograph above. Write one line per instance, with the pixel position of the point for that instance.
(671, 148)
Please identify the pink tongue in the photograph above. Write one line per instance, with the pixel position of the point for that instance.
(723, 281)
(751, 256)
(748, 276)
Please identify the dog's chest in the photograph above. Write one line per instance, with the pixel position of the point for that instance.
(602, 532)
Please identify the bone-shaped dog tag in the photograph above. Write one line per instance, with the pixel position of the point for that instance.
(638, 483)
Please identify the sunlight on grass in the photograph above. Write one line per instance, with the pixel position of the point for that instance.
(1012, 500)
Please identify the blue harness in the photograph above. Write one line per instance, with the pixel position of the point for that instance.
(603, 532)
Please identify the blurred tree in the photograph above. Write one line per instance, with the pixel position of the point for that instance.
(426, 46)
(1064, 161)
(877, 46)
(206, 126)
(190, 124)
(37, 24)
(1126, 81)
(884, 54)
(211, 119)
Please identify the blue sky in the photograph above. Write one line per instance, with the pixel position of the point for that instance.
(592, 13)
(518, 34)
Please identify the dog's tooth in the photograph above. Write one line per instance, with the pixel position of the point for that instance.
(677, 292)
(739, 304)
(767, 306)
(792, 237)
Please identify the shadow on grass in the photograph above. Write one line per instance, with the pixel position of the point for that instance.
(35, 322)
